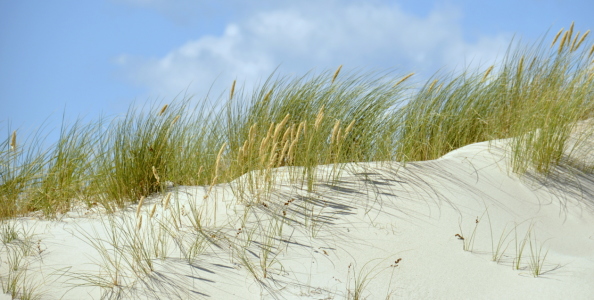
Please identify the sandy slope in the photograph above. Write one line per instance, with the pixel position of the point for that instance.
(327, 243)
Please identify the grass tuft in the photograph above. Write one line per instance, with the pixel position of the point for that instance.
(535, 95)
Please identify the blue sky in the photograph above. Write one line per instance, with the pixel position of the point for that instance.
(89, 58)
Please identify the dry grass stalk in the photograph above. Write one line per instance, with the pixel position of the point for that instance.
(487, 73)
(153, 210)
(557, 37)
(218, 161)
(581, 40)
(156, 175)
(232, 90)
(283, 152)
(175, 120)
(319, 118)
(349, 128)
(240, 154)
(591, 51)
(139, 223)
(280, 126)
(272, 161)
(432, 85)
(166, 200)
(570, 32)
(291, 153)
(267, 97)
(521, 65)
(263, 146)
(335, 132)
(403, 79)
(270, 131)
(562, 42)
(13, 141)
(163, 109)
(574, 41)
(139, 206)
(299, 129)
(336, 73)
(252, 134)
(288, 133)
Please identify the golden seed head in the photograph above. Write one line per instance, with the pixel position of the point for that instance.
(299, 128)
(263, 146)
(240, 154)
(572, 48)
(252, 133)
(267, 97)
(272, 161)
(334, 131)
(432, 85)
(570, 32)
(521, 65)
(556, 37)
(280, 126)
(156, 175)
(349, 128)
(139, 223)
(403, 79)
(292, 150)
(563, 41)
(175, 120)
(218, 161)
(286, 147)
(319, 117)
(336, 73)
(153, 210)
(284, 150)
(304, 129)
(163, 109)
(13, 141)
(288, 133)
(270, 130)
(487, 72)
(166, 201)
(139, 206)
(232, 90)
(581, 40)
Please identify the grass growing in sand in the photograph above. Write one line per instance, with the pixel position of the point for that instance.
(536, 94)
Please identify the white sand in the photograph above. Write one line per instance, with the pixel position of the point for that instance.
(345, 236)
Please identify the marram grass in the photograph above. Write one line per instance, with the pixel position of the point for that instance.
(534, 95)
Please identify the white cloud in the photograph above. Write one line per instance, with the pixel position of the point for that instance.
(320, 35)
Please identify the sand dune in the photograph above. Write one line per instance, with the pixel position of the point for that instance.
(375, 231)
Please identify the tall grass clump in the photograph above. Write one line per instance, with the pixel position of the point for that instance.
(66, 171)
(536, 94)
(21, 165)
(314, 120)
(135, 153)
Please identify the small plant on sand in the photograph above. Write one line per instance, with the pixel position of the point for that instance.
(17, 250)
(362, 278)
(468, 239)
(498, 250)
(520, 246)
(537, 258)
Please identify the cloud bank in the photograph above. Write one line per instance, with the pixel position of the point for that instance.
(312, 36)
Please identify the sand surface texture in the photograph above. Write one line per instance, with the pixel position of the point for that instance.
(459, 227)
